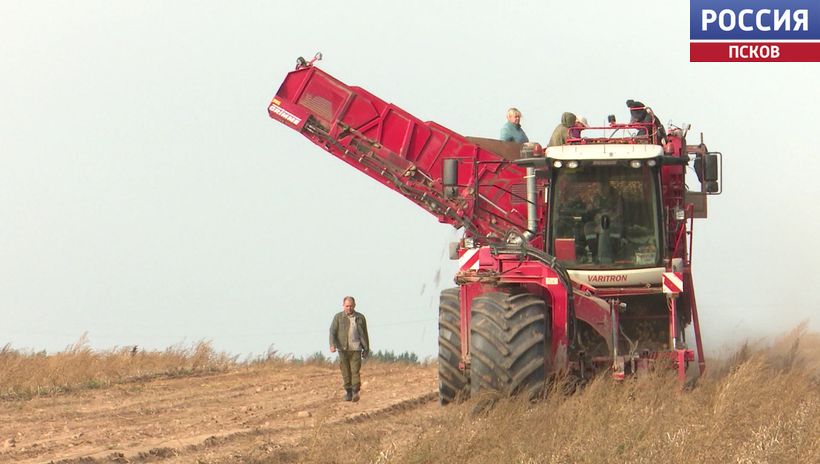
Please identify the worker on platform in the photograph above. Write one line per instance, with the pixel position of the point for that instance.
(561, 131)
(641, 113)
(580, 124)
(348, 337)
(511, 131)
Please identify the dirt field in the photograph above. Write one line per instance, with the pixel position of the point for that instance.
(759, 405)
(263, 414)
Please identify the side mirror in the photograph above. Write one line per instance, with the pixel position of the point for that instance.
(711, 172)
(708, 169)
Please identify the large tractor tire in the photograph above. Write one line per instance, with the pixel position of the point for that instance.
(452, 383)
(508, 343)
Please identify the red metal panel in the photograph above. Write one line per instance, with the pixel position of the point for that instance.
(360, 112)
(406, 154)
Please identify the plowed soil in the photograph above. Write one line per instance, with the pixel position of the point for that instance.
(261, 414)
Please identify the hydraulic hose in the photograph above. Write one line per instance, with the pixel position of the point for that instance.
(525, 250)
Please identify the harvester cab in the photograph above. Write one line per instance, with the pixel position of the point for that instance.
(606, 206)
(612, 199)
(621, 222)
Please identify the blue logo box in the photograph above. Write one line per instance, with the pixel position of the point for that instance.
(754, 20)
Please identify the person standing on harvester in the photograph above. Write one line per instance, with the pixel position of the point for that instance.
(348, 336)
(511, 131)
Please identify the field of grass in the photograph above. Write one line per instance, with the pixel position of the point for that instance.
(24, 374)
(760, 405)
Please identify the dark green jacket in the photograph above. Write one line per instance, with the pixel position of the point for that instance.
(559, 135)
(340, 327)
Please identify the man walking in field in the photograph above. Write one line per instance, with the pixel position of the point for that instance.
(348, 336)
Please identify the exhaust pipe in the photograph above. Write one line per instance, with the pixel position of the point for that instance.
(532, 156)
(532, 197)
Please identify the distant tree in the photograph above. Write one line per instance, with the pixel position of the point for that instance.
(391, 357)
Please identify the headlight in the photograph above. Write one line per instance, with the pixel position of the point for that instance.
(572, 164)
(651, 163)
(635, 164)
(557, 164)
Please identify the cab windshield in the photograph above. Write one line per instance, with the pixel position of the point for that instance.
(604, 215)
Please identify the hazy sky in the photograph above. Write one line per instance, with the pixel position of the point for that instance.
(147, 198)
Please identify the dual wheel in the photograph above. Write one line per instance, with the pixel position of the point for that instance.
(508, 344)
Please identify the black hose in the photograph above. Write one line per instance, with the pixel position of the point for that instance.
(526, 250)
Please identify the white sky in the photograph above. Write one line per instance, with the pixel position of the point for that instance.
(147, 198)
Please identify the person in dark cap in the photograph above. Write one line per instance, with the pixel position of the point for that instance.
(641, 113)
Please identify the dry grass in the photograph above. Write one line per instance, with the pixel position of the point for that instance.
(760, 406)
(25, 374)
(745, 417)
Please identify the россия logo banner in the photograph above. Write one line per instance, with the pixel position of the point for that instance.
(754, 30)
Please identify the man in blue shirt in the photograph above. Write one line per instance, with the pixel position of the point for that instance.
(511, 130)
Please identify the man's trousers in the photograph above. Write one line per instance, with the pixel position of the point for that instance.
(350, 363)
